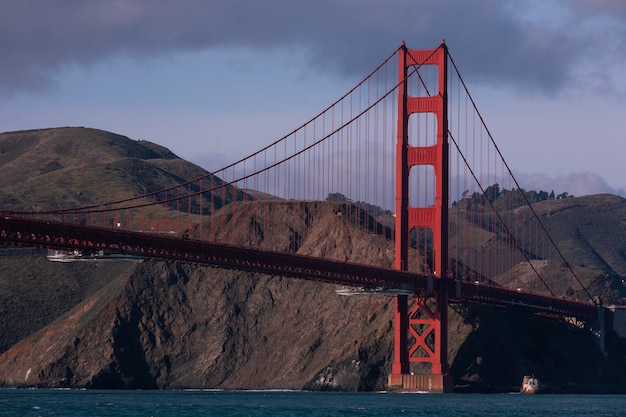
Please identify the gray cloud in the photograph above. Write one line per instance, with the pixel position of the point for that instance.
(491, 40)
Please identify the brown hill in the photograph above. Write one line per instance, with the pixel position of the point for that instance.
(30, 154)
(587, 230)
(180, 326)
(156, 324)
(70, 167)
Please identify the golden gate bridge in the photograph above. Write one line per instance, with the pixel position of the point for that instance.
(405, 156)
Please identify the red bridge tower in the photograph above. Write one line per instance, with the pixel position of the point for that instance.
(420, 334)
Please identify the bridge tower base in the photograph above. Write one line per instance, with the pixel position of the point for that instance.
(433, 383)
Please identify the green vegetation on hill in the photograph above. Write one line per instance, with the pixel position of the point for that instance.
(506, 199)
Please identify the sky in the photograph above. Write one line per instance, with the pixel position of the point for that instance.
(214, 81)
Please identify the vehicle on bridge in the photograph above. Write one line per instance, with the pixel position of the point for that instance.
(56, 255)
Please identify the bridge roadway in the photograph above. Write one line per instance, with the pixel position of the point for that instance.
(46, 234)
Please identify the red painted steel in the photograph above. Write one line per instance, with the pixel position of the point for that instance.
(466, 292)
(38, 233)
(400, 364)
(433, 217)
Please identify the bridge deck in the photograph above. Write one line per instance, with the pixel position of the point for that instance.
(45, 234)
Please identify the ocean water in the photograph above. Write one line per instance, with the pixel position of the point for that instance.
(307, 404)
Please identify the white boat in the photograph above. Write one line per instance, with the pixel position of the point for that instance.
(530, 385)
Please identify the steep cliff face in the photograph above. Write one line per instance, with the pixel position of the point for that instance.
(178, 326)
(34, 291)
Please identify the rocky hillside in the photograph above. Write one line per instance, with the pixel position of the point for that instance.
(155, 324)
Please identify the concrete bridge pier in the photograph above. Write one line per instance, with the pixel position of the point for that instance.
(598, 328)
(432, 383)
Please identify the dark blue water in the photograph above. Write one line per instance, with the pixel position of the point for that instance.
(226, 403)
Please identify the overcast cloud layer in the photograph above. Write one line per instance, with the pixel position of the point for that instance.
(525, 44)
(549, 75)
